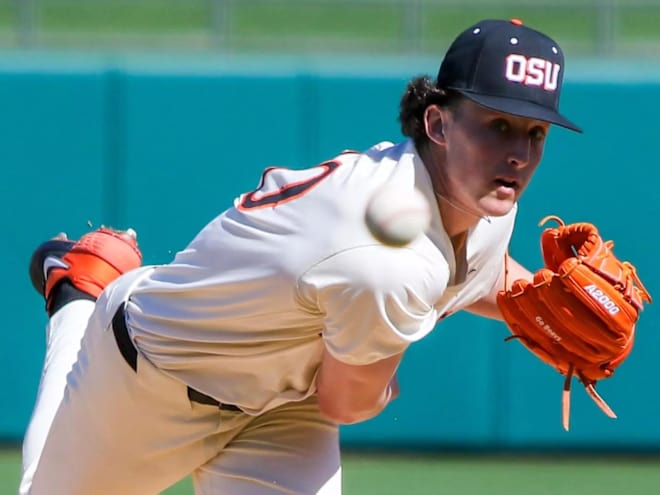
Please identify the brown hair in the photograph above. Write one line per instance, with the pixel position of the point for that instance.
(419, 94)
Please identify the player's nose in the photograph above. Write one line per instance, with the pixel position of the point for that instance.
(519, 153)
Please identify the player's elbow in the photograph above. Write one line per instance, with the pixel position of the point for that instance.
(348, 394)
(337, 415)
(350, 404)
(343, 412)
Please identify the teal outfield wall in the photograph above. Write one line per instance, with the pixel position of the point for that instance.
(164, 145)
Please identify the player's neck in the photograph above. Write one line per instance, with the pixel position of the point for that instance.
(456, 219)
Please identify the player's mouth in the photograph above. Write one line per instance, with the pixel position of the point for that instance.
(506, 188)
(507, 182)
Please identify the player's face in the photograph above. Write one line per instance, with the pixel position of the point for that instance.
(490, 156)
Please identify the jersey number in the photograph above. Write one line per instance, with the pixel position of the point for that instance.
(287, 192)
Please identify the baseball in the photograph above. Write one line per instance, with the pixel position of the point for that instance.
(396, 216)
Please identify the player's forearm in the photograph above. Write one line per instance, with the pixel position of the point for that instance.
(351, 394)
(362, 410)
(487, 306)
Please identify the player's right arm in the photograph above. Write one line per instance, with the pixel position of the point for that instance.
(349, 394)
(372, 309)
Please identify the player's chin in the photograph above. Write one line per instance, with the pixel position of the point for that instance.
(494, 206)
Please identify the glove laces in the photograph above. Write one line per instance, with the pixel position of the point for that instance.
(590, 387)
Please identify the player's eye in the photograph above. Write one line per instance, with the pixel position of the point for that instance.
(537, 133)
(500, 125)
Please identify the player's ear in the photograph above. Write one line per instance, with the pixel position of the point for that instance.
(433, 124)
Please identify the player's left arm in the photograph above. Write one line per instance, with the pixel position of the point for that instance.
(487, 306)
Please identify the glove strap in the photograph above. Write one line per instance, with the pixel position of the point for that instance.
(589, 386)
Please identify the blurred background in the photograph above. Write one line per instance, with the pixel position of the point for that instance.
(598, 27)
(155, 114)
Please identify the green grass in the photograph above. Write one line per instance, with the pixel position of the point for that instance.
(639, 23)
(370, 474)
(9, 471)
(303, 25)
(147, 16)
(7, 15)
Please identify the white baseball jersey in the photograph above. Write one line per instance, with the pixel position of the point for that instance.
(243, 313)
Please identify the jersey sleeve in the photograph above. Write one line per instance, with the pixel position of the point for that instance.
(374, 301)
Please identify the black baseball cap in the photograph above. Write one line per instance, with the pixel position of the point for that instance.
(507, 67)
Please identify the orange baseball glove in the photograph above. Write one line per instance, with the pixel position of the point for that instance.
(579, 313)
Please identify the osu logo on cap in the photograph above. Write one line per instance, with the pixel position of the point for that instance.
(532, 71)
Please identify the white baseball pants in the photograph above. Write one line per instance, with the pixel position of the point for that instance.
(109, 430)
